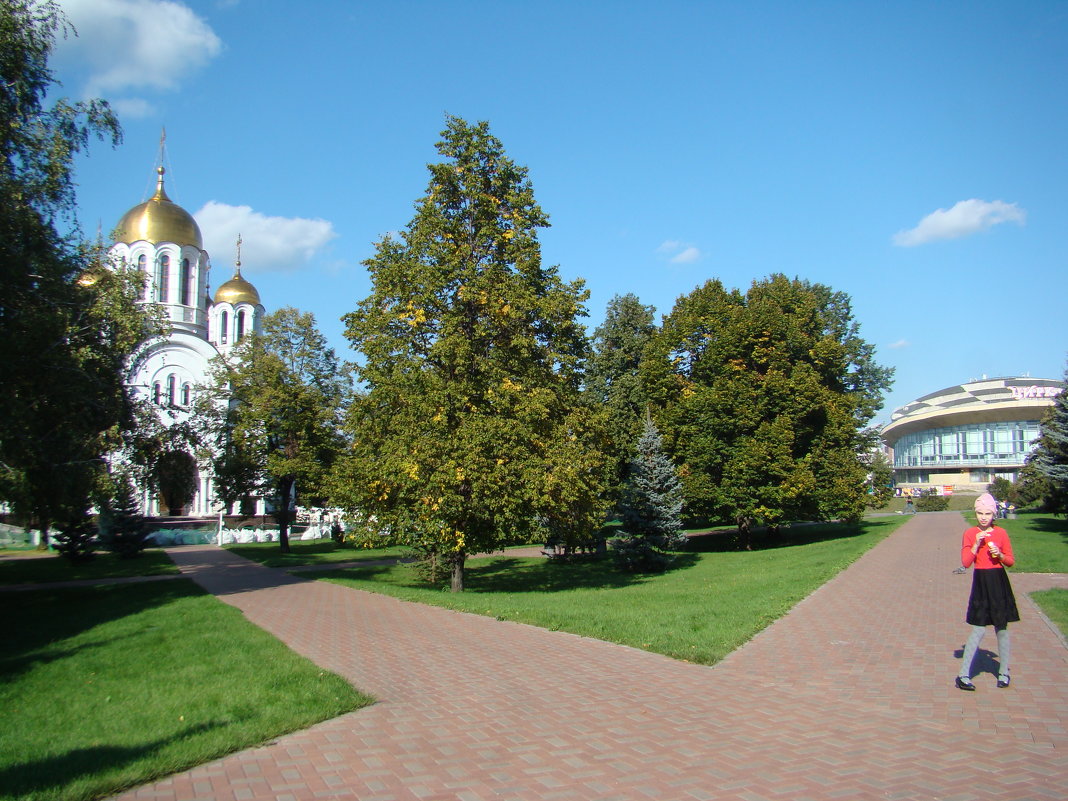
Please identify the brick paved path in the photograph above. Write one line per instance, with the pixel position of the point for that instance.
(849, 696)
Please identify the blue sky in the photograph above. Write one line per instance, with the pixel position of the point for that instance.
(910, 154)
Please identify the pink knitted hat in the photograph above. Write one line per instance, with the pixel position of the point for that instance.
(986, 503)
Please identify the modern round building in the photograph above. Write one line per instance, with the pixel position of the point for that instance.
(967, 435)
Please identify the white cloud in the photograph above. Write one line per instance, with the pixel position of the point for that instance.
(687, 256)
(133, 107)
(136, 45)
(679, 252)
(966, 217)
(267, 243)
(901, 343)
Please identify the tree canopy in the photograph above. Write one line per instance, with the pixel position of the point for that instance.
(764, 399)
(67, 322)
(472, 431)
(274, 414)
(613, 377)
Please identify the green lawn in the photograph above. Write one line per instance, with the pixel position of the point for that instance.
(1054, 603)
(712, 601)
(34, 567)
(107, 687)
(1038, 542)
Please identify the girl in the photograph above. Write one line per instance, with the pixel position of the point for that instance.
(991, 603)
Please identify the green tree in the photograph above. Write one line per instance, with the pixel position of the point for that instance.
(472, 431)
(613, 377)
(277, 403)
(66, 330)
(765, 398)
(651, 509)
(122, 528)
(1049, 461)
(880, 478)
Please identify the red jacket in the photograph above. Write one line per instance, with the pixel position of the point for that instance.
(982, 558)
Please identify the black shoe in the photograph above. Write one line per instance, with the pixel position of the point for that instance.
(1003, 682)
(965, 684)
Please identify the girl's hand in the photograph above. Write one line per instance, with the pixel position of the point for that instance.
(995, 552)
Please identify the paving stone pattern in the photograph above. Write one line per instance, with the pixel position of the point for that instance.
(849, 696)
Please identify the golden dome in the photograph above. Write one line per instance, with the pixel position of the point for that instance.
(90, 277)
(237, 290)
(157, 220)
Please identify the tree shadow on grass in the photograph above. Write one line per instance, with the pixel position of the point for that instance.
(48, 616)
(1050, 525)
(46, 777)
(728, 540)
(515, 575)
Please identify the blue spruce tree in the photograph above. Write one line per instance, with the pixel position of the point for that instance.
(651, 508)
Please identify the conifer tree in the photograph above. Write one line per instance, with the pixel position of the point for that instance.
(472, 428)
(1049, 462)
(122, 527)
(651, 507)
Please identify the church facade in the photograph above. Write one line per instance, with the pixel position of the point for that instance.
(163, 242)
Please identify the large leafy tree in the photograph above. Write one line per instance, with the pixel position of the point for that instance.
(1047, 468)
(472, 431)
(66, 326)
(764, 400)
(275, 407)
(613, 376)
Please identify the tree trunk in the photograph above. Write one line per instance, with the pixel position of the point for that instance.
(285, 486)
(745, 525)
(458, 571)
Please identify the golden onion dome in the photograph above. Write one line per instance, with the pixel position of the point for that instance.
(159, 219)
(237, 290)
(90, 277)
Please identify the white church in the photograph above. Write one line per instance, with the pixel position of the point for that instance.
(164, 243)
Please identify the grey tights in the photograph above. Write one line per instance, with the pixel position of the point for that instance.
(1004, 650)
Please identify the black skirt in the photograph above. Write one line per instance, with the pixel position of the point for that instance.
(991, 602)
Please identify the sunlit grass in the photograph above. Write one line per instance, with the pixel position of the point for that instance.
(108, 687)
(1039, 542)
(1054, 603)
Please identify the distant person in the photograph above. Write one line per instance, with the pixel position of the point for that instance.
(991, 602)
(910, 507)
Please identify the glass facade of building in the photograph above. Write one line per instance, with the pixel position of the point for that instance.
(990, 445)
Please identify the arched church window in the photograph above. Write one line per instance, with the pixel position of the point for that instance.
(170, 390)
(157, 392)
(186, 394)
(240, 326)
(141, 261)
(163, 277)
(186, 289)
(224, 327)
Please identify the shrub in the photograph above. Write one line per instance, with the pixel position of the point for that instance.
(932, 503)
